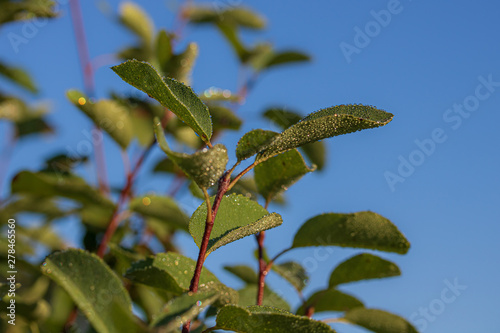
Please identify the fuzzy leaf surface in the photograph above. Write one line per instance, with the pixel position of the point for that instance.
(253, 142)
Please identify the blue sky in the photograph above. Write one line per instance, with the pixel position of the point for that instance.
(434, 64)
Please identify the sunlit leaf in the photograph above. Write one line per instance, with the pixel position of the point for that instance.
(234, 16)
(326, 123)
(180, 66)
(137, 20)
(177, 97)
(363, 266)
(236, 218)
(359, 230)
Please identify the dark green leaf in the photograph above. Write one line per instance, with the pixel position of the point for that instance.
(163, 48)
(245, 273)
(266, 320)
(248, 296)
(106, 114)
(286, 57)
(168, 166)
(182, 309)
(135, 18)
(363, 266)
(326, 123)
(177, 97)
(234, 16)
(96, 290)
(236, 218)
(162, 208)
(360, 230)
(205, 167)
(276, 174)
(330, 300)
(253, 142)
(167, 271)
(18, 76)
(379, 321)
(293, 272)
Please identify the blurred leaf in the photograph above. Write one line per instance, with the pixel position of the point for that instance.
(360, 230)
(267, 58)
(236, 218)
(276, 174)
(18, 76)
(177, 97)
(253, 142)
(96, 290)
(44, 235)
(205, 167)
(248, 296)
(163, 48)
(54, 185)
(326, 123)
(224, 118)
(168, 166)
(234, 16)
(245, 273)
(124, 257)
(293, 272)
(180, 66)
(31, 312)
(31, 204)
(137, 20)
(195, 190)
(168, 271)
(162, 208)
(379, 321)
(363, 266)
(262, 319)
(182, 309)
(26, 10)
(106, 114)
(330, 300)
(63, 163)
(214, 94)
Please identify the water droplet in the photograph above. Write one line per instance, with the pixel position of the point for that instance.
(198, 303)
(176, 263)
(44, 264)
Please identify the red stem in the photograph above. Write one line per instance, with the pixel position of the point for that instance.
(115, 220)
(89, 84)
(262, 268)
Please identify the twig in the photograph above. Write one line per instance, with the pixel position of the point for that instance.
(263, 270)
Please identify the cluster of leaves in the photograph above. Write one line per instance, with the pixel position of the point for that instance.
(119, 269)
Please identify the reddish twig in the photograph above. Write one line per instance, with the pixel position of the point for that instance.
(89, 84)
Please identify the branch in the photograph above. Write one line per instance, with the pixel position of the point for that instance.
(263, 266)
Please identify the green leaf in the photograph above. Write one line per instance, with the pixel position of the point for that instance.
(248, 296)
(177, 97)
(276, 174)
(163, 48)
(182, 309)
(106, 114)
(96, 290)
(18, 76)
(168, 166)
(236, 218)
(180, 66)
(52, 185)
(26, 10)
(224, 118)
(326, 123)
(330, 300)
(137, 20)
(234, 16)
(286, 57)
(253, 142)
(359, 230)
(363, 266)
(32, 204)
(167, 271)
(245, 273)
(162, 208)
(205, 167)
(293, 272)
(266, 320)
(214, 94)
(264, 57)
(315, 151)
(379, 321)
